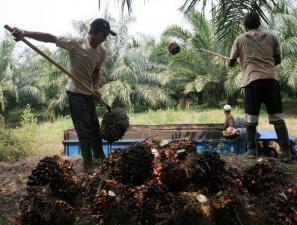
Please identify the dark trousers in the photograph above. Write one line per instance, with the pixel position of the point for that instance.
(265, 91)
(86, 123)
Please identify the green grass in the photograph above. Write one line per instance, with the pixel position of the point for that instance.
(49, 136)
(178, 116)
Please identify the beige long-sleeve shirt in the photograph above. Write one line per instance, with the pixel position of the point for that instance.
(255, 51)
(83, 61)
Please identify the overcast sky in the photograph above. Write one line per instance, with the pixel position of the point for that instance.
(55, 16)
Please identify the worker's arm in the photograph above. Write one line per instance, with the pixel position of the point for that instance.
(96, 74)
(39, 36)
(95, 79)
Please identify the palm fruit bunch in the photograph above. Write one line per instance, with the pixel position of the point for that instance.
(178, 149)
(156, 201)
(113, 205)
(114, 125)
(153, 142)
(113, 202)
(204, 166)
(173, 48)
(174, 175)
(191, 208)
(131, 165)
(284, 209)
(110, 166)
(42, 208)
(233, 179)
(58, 174)
(263, 176)
(229, 208)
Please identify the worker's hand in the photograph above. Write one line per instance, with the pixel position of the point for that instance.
(18, 34)
(97, 95)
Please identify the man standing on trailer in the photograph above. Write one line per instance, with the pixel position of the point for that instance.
(259, 53)
(86, 59)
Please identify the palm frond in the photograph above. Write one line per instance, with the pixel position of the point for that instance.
(33, 92)
(195, 86)
(152, 95)
(233, 82)
(81, 26)
(177, 32)
(116, 90)
(289, 47)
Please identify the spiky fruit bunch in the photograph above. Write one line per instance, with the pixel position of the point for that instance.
(174, 175)
(202, 167)
(229, 208)
(191, 208)
(284, 210)
(58, 174)
(156, 201)
(132, 165)
(136, 164)
(112, 205)
(114, 125)
(178, 149)
(153, 142)
(263, 176)
(40, 208)
(110, 166)
(173, 48)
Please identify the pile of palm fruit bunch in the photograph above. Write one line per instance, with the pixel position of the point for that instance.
(51, 191)
(271, 193)
(162, 182)
(263, 176)
(284, 209)
(114, 125)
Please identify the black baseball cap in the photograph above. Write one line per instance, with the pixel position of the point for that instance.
(102, 25)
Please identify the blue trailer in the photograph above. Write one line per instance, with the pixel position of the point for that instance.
(205, 136)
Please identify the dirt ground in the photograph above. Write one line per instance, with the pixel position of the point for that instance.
(13, 178)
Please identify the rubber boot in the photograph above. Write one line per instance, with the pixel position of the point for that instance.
(85, 147)
(251, 142)
(97, 147)
(283, 140)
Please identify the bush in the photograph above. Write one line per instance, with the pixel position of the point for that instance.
(14, 117)
(16, 144)
(11, 146)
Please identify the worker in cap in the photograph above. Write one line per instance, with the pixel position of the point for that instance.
(229, 120)
(87, 56)
(229, 124)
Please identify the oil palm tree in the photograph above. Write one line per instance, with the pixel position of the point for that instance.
(6, 66)
(136, 80)
(284, 20)
(40, 83)
(192, 71)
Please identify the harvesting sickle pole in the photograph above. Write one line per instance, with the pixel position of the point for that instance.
(213, 53)
(174, 49)
(58, 65)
